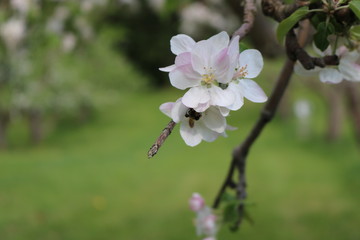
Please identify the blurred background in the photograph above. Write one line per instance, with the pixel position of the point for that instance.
(79, 95)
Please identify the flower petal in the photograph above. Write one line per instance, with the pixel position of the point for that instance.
(206, 134)
(224, 69)
(220, 97)
(178, 111)
(183, 59)
(191, 136)
(350, 70)
(233, 50)
(184, 77)
(205, 52)
(195, 96)
(181, 43)
(224, 111)
(239, 98)
(168, 68)
(166, 108)
(330, 75)
(202, 107)
(252, 60)
(219, 41)
(214, 120)
(252, 91)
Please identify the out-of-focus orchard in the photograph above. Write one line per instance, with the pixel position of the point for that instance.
(83, 75)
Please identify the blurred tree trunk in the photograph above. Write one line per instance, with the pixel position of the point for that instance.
(335, 114)
(353, 101)
(34, 118)
(4, 122)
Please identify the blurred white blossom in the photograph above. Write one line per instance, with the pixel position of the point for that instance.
(13, 32)
(22, 6)
(68, 42)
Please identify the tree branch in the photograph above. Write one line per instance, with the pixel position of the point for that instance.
(161, 139)
(248, 20)
(240, 153)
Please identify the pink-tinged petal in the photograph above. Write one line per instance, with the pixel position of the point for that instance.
(178, 111)
(190, 134)
(224, 69)
(220, 97)
(239, 98)
(195, 96)
(166, 108)
(183, 59)
(233, 50)
(330, 75)
(213, 119)
(300, 70)
(206, 134)
(181, 43)
(205, 52)
(252, 91)
(168, 68)
(252, 60)
(350, 70)
(201, 56)
(184, 77)
(196, 202)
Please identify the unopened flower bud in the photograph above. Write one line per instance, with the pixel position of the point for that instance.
(196, 202)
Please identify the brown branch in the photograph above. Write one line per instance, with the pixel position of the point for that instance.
(248, 20)
(161, 139)
(277, 10)
(240, 153)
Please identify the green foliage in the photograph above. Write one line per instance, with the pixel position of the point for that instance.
(354, 5)
(355, 32)
(323, 30)
(287, 24)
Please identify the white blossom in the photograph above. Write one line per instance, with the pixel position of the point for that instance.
(13, 32)
(249, 66)
(348, 68)
(203, 66)
(195, 126)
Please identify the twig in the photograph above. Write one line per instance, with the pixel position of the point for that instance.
(160, 140)
(248, 20)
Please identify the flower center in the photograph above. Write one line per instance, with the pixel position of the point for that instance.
(208, 77)
(241, 72)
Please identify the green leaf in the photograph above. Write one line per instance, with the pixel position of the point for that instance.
(355, 7)
(288, 23)
(355, 32)
(321, 35)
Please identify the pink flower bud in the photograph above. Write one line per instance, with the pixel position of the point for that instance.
(196, 202)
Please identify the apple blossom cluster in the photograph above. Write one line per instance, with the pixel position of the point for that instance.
(205, 222)
(348, 68)
(217, 77)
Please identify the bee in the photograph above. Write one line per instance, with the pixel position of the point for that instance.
(193, 116)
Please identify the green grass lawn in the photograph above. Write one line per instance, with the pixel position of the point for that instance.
(95, 182)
